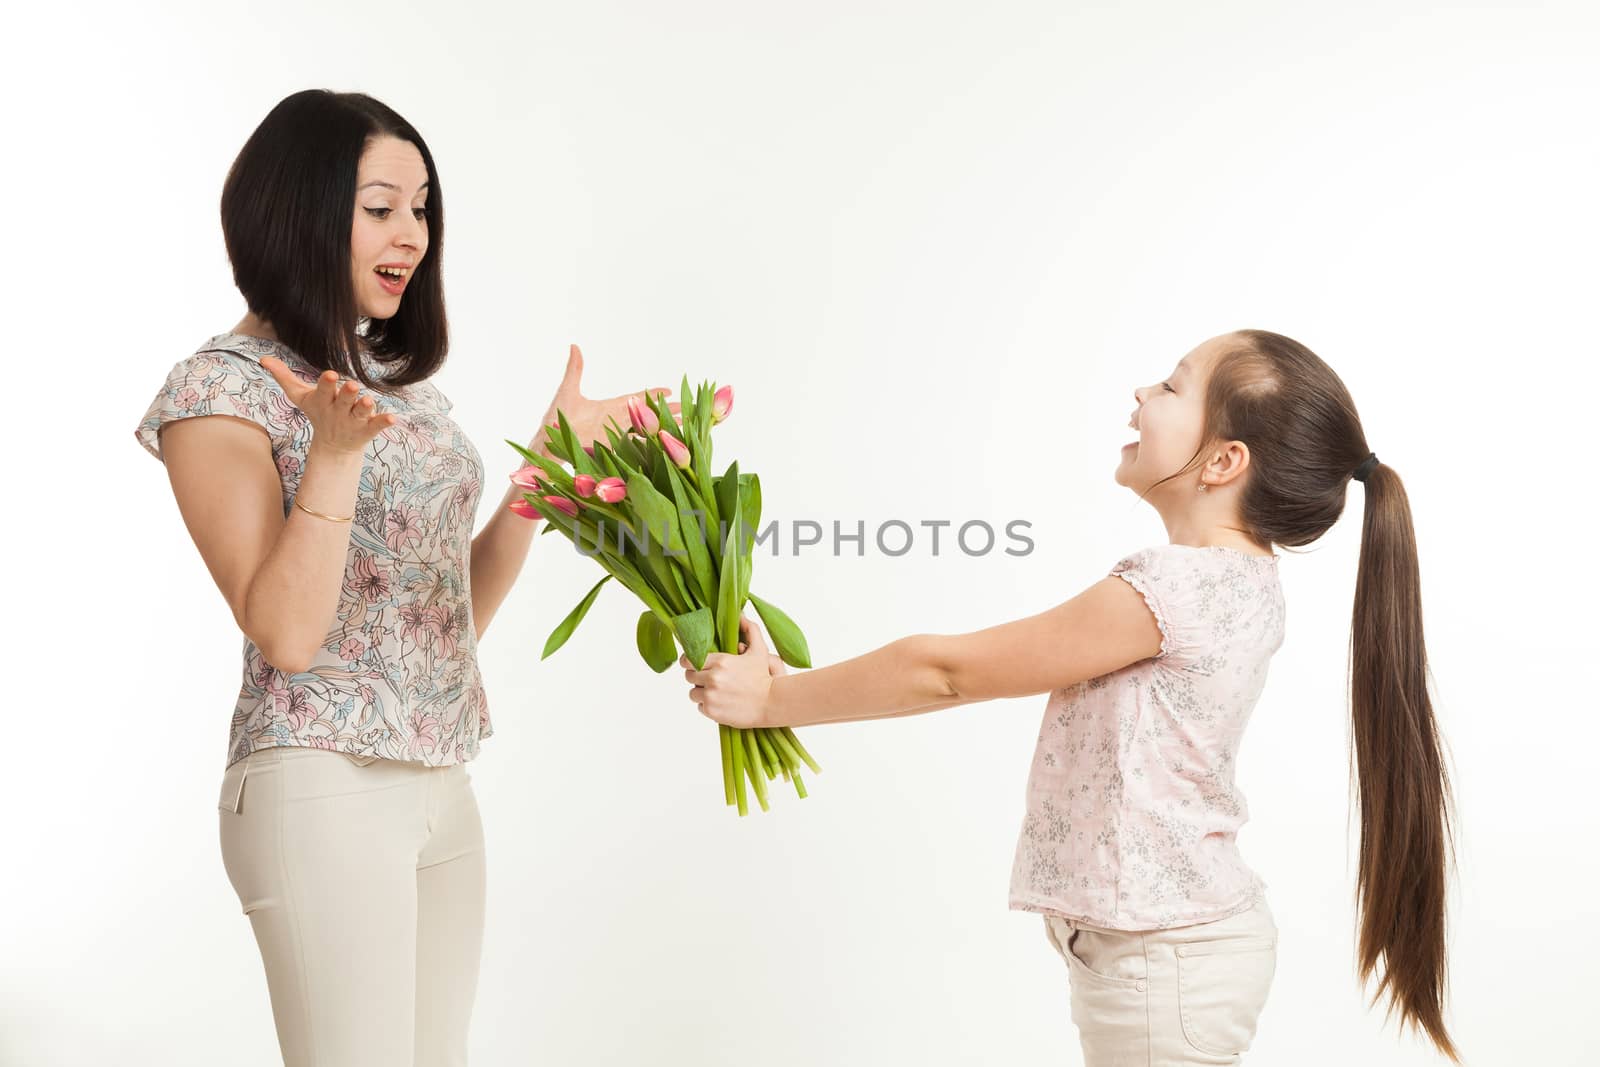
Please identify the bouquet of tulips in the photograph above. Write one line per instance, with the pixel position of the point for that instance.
(641, 505)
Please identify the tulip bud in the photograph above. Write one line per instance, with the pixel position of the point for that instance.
(526, 477)
(677, 451)
(611, 490)
(583, 484)
(525, 509)
(722, 404)
(562, 504)
(642, 416)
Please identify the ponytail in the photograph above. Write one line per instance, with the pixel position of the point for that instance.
(1403, 789)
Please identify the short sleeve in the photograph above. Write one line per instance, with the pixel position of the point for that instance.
(220, 383)
(1164, 581)
(443, 401)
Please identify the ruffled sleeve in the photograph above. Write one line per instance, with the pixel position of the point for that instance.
(222, 383)
(1166, 581)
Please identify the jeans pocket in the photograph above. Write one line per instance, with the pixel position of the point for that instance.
(1088, 956)
(1222, 988)
(1109, 1009)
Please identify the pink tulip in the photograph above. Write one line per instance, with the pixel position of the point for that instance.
(589, 449)
(562, 504)
(584, 485)
(611, 490)
(677, 451)
(642, 416)
(526, 477)
(722, 404)
(525, 509)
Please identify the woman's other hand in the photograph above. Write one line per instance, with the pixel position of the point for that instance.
(588, 418)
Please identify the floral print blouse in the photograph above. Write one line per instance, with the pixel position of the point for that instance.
(1132, 812)
(397, 674)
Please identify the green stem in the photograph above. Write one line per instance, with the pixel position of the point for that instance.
(768, 753)
(738, 773)
(800, 750)
(754, 766)
(791, 758)
(727, 764)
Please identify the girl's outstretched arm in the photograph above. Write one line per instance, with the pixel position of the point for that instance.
(1103, 628)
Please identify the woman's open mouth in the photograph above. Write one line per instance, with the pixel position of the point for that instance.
(393, 279)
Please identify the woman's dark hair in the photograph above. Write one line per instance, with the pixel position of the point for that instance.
(1305, 442)
(287, 206)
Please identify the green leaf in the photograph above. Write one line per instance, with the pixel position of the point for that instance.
(556, 444)
(559, 520)
(526, 455)
(625, 572)
(581, 461)
(613, 465)
(630, 451)
(559, 635)
(694, 630)
(654, 639)
(554, 473)
(659, 478)
(786, 636)
(750, 499)
(750, 508)
(657, 574)
(702, 407)
(729, 587)
(698, 560)
(669, 422)
(727, 491)
(700, 463)
(686, 409)
(658, 513)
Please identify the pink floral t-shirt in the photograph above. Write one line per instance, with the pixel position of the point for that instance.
(1132, 810)
(397, 674)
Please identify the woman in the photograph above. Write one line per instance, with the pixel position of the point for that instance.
(334, 507)
(1128, 847)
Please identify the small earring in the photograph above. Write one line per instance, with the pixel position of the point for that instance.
(1202, 487)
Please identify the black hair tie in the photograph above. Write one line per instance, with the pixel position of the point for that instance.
(1366, 467)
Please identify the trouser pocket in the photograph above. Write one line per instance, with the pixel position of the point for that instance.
(232, 797)
(1222, 989)
(1109, 998)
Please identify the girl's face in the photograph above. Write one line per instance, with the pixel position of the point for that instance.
(390, 225)
(1169, 417)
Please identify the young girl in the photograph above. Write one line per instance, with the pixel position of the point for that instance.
(1128, 847)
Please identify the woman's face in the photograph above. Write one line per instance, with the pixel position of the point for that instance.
(390, 225)
(1169, 417)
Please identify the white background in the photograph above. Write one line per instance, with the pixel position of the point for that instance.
(934, 249)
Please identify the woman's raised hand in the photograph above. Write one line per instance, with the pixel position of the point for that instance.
(342, 420)
(589, 418)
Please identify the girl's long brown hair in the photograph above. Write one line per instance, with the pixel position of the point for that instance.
(1305, 441)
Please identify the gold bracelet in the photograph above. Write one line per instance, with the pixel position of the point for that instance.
(320, 515)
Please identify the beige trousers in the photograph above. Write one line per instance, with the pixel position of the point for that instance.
(1168, 998)
(364, 882)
